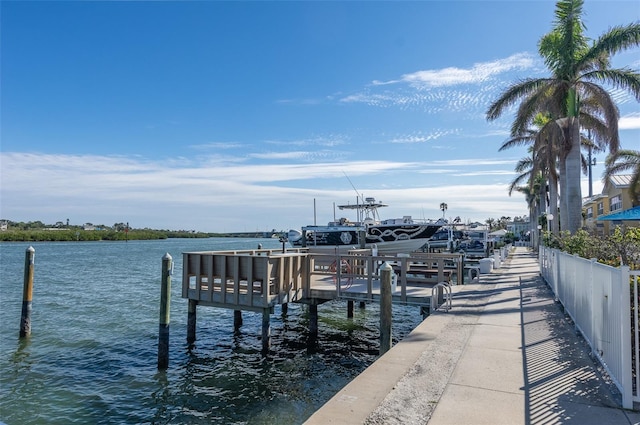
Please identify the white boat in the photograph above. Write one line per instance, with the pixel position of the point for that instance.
(389, 236)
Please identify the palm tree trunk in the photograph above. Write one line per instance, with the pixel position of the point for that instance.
(533, 224)
(554, 225)
(573, 195)
(562, 182)
(542, 195)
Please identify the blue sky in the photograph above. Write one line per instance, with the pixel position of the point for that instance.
(236, 116)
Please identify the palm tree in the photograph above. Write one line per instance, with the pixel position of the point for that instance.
(531, 193)
(545, 146)
(490, 222)
(626, 160)
(547, 151)
(576, 67)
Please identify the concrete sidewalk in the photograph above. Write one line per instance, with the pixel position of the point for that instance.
(505, 354)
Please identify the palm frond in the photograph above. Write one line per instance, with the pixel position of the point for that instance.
(513, 94)
(518, 140)
(616, 39)
(623, 78)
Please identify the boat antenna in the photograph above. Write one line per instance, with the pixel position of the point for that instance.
(360, 197)
(354, 188)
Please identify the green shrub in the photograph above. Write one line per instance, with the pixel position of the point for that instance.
(620, 247)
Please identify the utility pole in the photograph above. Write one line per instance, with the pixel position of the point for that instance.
(592, 162)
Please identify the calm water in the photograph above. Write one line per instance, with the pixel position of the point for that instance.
(92, 354)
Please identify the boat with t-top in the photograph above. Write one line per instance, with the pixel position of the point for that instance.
(388, 236)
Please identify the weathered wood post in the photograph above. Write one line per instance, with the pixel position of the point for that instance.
(191, 321)
(165, 309)
(350, 309)
(385, 307)
(313, 320)
(27, 292)
(266, 330)
(237, 319)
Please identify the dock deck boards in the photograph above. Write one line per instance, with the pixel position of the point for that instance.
(325, 287)
(256, 279)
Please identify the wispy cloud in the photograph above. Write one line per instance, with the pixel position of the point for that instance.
(331, 140)
(462, 90)
(307, 156)
(218, 145)
(474, 162)
(478, 73)
(423, 137)
(486, 173)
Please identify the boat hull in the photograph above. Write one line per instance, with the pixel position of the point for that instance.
(387, 239)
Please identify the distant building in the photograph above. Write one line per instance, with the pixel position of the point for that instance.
(615, 197)
(520, 229)
(592, 208)
(4, 226)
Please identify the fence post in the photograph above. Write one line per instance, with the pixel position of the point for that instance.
(165, 304)
(385, 307)
(592, 300)
(27, 292)
(625, 313)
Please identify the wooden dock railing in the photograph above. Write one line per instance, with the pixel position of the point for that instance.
(246, 280)
(258, 279)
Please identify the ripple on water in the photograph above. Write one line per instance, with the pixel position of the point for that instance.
(93, 351)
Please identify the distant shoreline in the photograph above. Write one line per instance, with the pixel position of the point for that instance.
(72, 235)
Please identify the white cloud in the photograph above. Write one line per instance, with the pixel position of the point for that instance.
(331, 140)
(474, 162)
(213, 197)
(466, 91)
(478, 73)
(307, 156)
(630, 122)
(487, 173)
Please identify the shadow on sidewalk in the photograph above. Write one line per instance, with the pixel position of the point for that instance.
(562, 384)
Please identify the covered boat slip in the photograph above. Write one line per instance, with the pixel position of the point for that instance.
(259, 279)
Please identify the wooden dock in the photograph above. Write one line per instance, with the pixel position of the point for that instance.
(258, 280)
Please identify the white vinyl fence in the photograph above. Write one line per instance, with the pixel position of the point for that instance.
(597, 297)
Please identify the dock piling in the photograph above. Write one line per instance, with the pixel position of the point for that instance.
(27, 292)
(191, 321)
(313, 320)
(237, 319)
(165, 309)
(266, 330)
(385, 307)
(350, 309)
